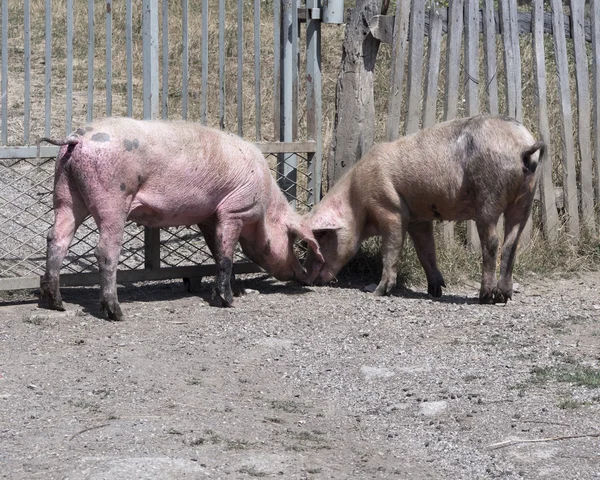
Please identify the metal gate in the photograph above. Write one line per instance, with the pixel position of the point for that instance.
(212, 62)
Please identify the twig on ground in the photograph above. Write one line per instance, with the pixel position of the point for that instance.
(539, 440)
(88, 429)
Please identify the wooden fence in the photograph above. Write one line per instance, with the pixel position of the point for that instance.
(475, 56)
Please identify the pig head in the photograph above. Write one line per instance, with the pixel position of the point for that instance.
(472, 168)
(162, 174)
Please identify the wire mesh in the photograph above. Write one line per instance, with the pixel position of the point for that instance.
(26, 214)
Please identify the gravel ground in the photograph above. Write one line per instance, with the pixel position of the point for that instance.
(294, 383)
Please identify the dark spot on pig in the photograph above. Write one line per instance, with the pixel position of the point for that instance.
(80, 131)
(101, 137)
(136, 143)
(435, 212)
(469, 145)
(267, 249)
(122, 187)
(139, 179)
(128, 145)
(89, 129)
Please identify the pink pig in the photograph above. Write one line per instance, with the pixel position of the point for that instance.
(164, 174)
(470, 168)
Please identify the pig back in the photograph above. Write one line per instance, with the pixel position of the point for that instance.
(180, 172)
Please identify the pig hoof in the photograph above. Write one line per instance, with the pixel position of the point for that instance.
(502, 297)
(435, 290)
(51, 304)
(486, 297)
(223, 301)
(238, 291)
(382, 290)
(112, 311)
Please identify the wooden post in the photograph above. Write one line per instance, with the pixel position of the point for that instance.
(354, 128)
(453, 44)
(582, 77)
(564, 96)
(549, 213)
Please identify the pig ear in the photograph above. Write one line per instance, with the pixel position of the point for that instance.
(324, 221)
(306, 234)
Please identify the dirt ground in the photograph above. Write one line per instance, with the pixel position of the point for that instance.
(293, 382)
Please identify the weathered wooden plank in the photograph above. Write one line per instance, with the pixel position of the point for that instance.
(516, 52)
(222, 64)
(185, 59)
(165, 60)
(125, 276)
(582, 77)
(204, 54)
(69, 72)
(307, 146)
(415, 67)
(453, 65)
(595, 24)
(433, 68)
(511, 104)
(26, 70)
(354, 129)
(240, 68)
(399, 46)
(47, 151)
(550, 221)
(489, 49)
(569, 171)
(129, 55)
(471, 63)
(257, 99)
(382, 26)
(108, 60)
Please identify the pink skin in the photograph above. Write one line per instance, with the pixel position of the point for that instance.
(163, 174)
(472, 168)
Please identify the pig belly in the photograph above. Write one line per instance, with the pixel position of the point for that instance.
(162, 215)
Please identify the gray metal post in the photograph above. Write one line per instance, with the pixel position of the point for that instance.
(287, 163)
(150, 58)
(313, 101)
(151, 108)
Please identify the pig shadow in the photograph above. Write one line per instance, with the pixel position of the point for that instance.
(168, 290)
(358, 283)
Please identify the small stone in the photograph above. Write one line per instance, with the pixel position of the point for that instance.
(370, 288)
(432, 408)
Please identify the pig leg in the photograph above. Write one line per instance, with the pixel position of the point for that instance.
(489, 248)
(70, 212)
(208, 231)
(392, 236)
(227, 234)
(515, 220)
(111, 224)
(421, 234)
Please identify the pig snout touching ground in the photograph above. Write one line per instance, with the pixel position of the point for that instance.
(471, 168)
(164, 174)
